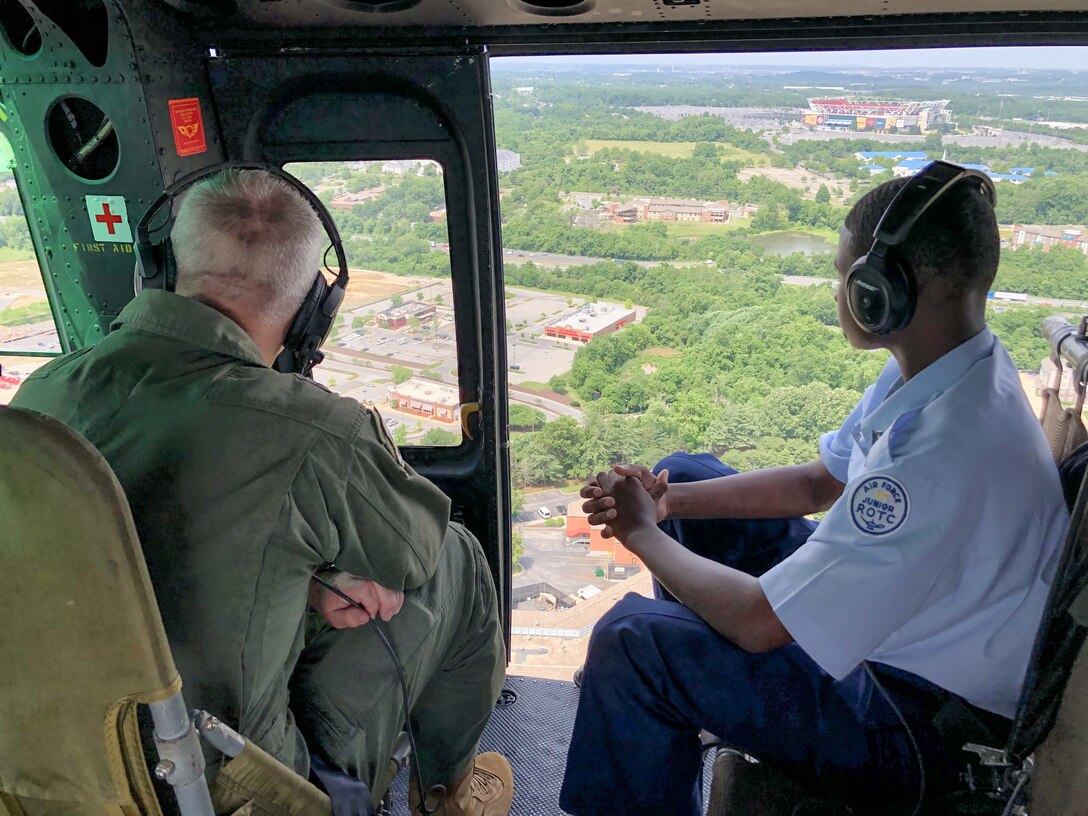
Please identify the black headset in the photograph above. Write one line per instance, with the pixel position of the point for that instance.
(881, 292)
(156, 268)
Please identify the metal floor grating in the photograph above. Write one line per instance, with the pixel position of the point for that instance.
(533, 733)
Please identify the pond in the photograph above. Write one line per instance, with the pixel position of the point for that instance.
(786, 243)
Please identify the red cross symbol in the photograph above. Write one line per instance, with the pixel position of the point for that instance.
(108, 218)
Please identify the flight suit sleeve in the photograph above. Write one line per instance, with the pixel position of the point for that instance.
(394, 520)
(866, 568)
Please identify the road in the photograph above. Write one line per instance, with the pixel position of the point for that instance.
(548, 406)
(545, 498)
(552, 259)
(792, 280)
(1031, 300)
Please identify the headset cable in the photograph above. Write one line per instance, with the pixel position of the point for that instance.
(437, 790)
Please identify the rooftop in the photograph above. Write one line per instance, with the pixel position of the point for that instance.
(869, 155)
(406, 309)
(592, 318)
(417, 388)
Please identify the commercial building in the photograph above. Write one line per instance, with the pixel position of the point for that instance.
(624, 213)
(581, 533)
(426, 398)
(507, 160)
(879, 116)
(348, 200)
(665, 209)
(592, 320)
(1046, 237)
(397, 317)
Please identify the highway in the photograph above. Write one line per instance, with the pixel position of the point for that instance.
(551, 259)
(800, 280)
(547, 258)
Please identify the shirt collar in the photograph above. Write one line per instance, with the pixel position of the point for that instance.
(925, 386)
(189, 321)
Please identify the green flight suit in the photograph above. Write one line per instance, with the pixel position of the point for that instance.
(241, 482)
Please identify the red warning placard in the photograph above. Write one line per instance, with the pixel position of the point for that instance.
(188, 125)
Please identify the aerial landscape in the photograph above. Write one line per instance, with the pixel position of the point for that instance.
(669, 227)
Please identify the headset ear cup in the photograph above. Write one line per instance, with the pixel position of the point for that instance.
(154, 267)
(902, 296)
(880, 294)
(304, 327)
(866, 298)
(168, 264)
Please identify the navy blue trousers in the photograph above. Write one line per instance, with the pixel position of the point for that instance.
(656, 673)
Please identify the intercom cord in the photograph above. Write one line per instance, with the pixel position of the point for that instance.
(438, 790)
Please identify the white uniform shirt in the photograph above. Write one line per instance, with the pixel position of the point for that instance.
(939, 554)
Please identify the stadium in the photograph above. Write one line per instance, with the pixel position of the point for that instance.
(875, 115)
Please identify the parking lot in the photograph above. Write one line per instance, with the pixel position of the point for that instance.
(428, 347)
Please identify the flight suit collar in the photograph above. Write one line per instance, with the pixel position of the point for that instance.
(189, 321)
(924, 387)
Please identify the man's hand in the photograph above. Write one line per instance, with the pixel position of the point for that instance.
(633, 508)
(601, 507)
(377, 601)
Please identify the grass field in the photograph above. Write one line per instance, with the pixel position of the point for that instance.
(699, 229)
(829, 235)
(12, 254)
(672, 150)
(532, 385)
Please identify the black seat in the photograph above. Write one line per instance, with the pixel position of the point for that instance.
(1050, 719)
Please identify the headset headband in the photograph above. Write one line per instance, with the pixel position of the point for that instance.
(917, 196)
(312, 322)
(143, 229)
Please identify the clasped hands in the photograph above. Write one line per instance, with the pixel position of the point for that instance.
(626, 499)
(377, 601)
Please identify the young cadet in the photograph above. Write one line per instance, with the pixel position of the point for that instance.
(243, 481)
(830, 651)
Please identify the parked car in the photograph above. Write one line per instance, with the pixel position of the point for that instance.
(391, 422)
(544, 512)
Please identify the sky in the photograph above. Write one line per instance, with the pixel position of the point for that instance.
(1044, 57)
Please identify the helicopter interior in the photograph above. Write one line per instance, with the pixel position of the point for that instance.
(107, 102)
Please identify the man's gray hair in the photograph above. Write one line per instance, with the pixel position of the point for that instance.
(246, 240)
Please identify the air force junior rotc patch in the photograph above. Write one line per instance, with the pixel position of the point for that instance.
(879, 505)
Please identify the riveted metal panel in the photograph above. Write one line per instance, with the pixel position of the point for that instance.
(89, 282)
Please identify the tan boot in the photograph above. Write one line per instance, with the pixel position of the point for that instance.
(487, 789)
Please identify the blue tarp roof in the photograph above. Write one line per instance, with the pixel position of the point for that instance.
(912, 164)
(1023, 171)
(869, 155)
